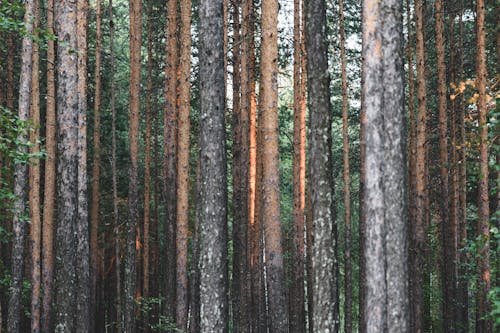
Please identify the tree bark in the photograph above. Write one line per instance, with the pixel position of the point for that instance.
(48, 259)
(183, 166)
(133, 195)
(213, 213)
(34, 182)
(268, 102)
(21, 173)
(94, 246)
(323, 220)
(297, 299)
(346, 178)
(418, 231)
(483, 259)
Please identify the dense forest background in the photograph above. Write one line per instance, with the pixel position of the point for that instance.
(211, 166)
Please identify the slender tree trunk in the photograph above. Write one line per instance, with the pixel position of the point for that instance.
(183, 166)
(240, 179)
(483, 325)
(21, 173)
(133, 195)
(418, 231)
(463, 284)
(48, 258)
(114, 176)
(194, 324)
(268, 102)
(324, 228)
(94, 247)
(213, 213)
(11, 45)
(296, 301)
(347, 193)
(147, 162)
(34, 183)
(170, 154)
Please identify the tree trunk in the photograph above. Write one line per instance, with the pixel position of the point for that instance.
(418, 231)
(270, 199)
(194, 324)
(133, 195)
(323, 220)
(170, 155)
(48, 258)
(34, 182)
(362, 214)
(83, 293)
(347, 192)
(483, 259)
(21, 174)
(296, 301)
(213, 213)
(183, 166)
(94, 247)
(67, 164)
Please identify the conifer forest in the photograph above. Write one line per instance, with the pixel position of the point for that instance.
(249, 166)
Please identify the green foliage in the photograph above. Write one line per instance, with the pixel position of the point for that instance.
(146, 306)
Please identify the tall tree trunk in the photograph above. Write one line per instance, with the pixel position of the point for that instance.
(48, 226)
(147, 161)
(114, 176)
(34, 182)
(463, 285)
(21, 173)
(11, 45)
(347, 191)
(170, 154)
(133, 195)
(194, 323)
(67, 164)
(183, 165)
(240, 178)
(270, 199)
(483, 259)
(296, 301)
(213, 213)
(323, 220)
(386, 254)
(94, 247)
(418, 231)
(448, 229)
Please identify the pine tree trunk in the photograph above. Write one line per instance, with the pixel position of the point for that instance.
(324, 228)
(483, 259)
(346, 177)
(48, 226)
(21, 172)
(418, 231)
(94, 247)
(83, 293)
(194, 323)
(34, 183)
(213, 213)
(183, 166)
(133, 190)
(268, 103)
(170, 155)
(296, 292)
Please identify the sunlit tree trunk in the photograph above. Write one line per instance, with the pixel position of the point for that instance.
(48, 226)
(21, 174)
(213, 211)
(296, 292)
(183, 166)
(34, 183)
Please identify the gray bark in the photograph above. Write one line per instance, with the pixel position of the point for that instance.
(213, 211)
(67, 182)
(21, 177)
(386, 253)
(325, 295)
